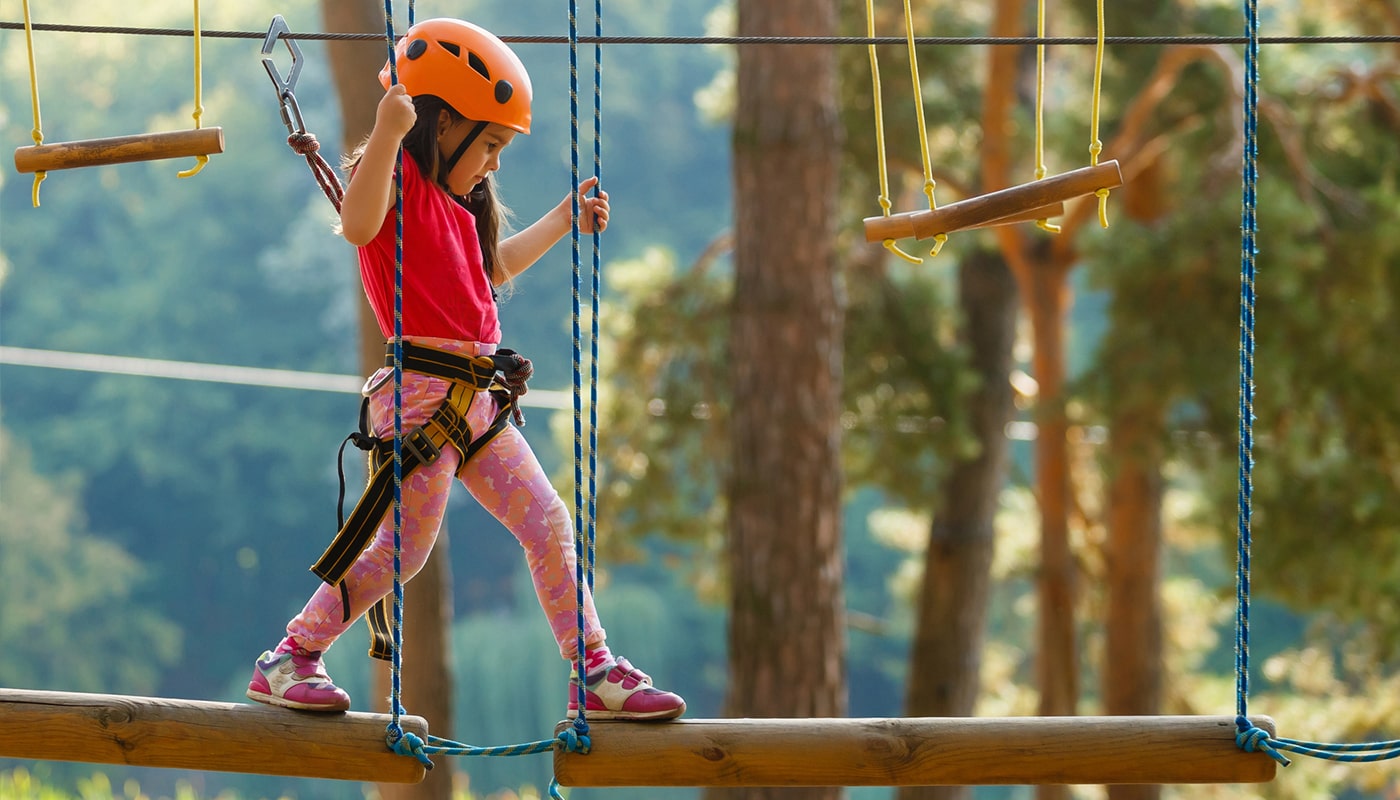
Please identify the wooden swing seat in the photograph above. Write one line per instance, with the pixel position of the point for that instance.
(1027, 201)
(915, 752)
(120, 150)
(206, 736)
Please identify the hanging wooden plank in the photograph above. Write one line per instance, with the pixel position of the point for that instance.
(1011, 202)
(1031, 215)
(206, 736)
(915, 752)
(120, 150)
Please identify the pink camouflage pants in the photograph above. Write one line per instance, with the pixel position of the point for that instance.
(504, 477)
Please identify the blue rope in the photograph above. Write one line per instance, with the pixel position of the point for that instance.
(597, 281)
(585, 513)
(1252, 739)
(573, 739)
(1248, 249)
(583, 572)
(410, 744)
(1249, 737)
(395, 732)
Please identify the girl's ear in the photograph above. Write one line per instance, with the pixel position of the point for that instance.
(444, 121)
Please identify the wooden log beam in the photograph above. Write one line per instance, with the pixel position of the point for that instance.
(206, 736)
(915, 752)
(120, 150)
(1000, 205)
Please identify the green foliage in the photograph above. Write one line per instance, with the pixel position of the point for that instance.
(655, 625)
(21, 784)
(1327, 338)
(68, 594)
(666, 404)
(906, 383)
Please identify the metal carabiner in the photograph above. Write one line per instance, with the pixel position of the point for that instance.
(291, 113)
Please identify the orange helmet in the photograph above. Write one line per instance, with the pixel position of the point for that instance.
(468, 67)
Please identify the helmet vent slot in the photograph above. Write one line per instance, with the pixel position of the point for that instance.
(474, 61)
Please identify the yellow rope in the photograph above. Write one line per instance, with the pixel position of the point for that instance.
(929, 183)
(1096, 146)
(200, 160)
(884, 197)
(38, 132)
(1043, 223)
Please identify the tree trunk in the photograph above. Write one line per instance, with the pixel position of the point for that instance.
(1132, 682)
(426, 679)
(1057, 664)
(945, 664)
(786, 628)
(354, 67)
(1042, 272)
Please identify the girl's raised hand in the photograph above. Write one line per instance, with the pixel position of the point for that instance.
(592, 211)
(396, 114)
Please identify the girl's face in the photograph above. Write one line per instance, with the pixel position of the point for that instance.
(482, 157)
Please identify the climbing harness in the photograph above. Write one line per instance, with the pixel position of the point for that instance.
(503, 374)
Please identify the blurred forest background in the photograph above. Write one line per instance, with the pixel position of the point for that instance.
(155, 534)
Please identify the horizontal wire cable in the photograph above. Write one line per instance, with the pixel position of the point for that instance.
(743, 40)
(556, 399)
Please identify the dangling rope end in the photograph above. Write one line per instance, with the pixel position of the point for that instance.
(1047, 226)
(554, 792)
(199, 162)
(891, 246)
(1102, 194)
(938, 242)
(38, 179)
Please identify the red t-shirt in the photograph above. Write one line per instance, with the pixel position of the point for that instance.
(446, 293)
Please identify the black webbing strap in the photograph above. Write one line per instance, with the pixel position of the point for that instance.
(477, 371)
(381, 615)
(422, 445)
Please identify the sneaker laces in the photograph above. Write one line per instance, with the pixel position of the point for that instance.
(304, 659)
(627, 671)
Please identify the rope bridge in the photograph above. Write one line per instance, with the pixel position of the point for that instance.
(734, 752)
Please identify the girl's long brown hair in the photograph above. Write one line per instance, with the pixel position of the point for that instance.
(421, 144)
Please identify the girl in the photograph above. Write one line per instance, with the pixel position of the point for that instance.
(462, 97)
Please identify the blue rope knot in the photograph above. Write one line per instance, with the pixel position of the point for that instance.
(1253, 739)
(575, 741)
(408, 744)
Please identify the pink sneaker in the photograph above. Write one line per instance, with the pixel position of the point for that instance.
(623, 692)
(295, 679)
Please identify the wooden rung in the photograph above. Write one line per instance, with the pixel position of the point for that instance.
(1030, 215)
(206, 736)
(978, 211)
(120, 150)
(915, 752)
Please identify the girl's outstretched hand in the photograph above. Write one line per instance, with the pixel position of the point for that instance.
(592, 210)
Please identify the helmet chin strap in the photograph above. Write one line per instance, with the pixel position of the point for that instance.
(462, 149)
